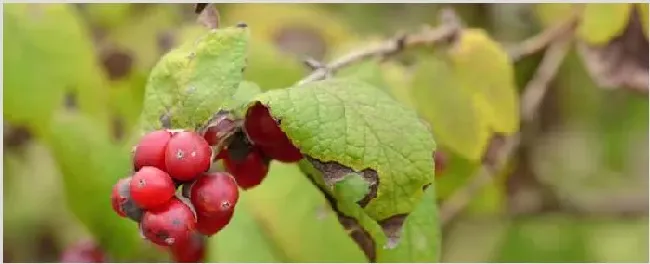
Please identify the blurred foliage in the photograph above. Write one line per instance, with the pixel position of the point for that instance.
(75, 77)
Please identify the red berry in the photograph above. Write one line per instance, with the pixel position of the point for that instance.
(121, 197)
(151, 188)
(210, 225)
(282, 152)
(248, 172)
(150, 151)
(169, 224)
(214, 193)
(260, 127)
(118, 200)
(215, 133)
(84, 251)
(191, 252)
(187, 156)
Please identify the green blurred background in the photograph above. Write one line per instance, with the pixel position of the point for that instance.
(73, 84)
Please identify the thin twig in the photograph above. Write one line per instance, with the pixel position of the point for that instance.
(530, 102)
(429, 36)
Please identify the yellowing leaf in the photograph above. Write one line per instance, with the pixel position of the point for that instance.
(484, 69)
(449, 109)
(399, 82)
(602, 22)
(643, 11)
(552, 14)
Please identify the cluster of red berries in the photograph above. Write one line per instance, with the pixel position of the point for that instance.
(165, 160)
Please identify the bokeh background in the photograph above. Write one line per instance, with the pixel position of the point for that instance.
(73, 83)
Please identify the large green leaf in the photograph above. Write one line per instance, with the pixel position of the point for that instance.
(191, 83)
(355, 125)
(91, 165)
(46, 53)
(456, 122)
(483, 68)
(602, 22)
(271, 68)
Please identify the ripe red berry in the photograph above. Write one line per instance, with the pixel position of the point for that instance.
(169, 224)
(187, 156)
(84, 251)
(151, 187)
(210, 225)
(282, 152)
(248, 172)
(214, 193)
(220, 128)
(150, 151)
(191, 252)
(116, 199)
(260, 127)
(122, 202)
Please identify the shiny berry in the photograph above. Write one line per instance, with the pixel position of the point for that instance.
(191, 252)
(150, 151)
(151, 187)
(248, 172)
(170, 224)
(187, 156)
(84, 251)
(210, 225)
(260, 127)
(214, 193)
(285, 152)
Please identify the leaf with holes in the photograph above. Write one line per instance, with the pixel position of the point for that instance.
(286, 229)
(48, 53)
(602, 22)
(81, 148)
(449, 109)
(350, 123)
(482, 67)
(189, 84)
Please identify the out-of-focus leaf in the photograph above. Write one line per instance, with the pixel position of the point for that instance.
(91, 165)
(483, 68)
(368, 71)
(399, 81)
(192, 82)
(552, 14)
(294, 221)
(643, 11)
(47, 53)
(245, 239)
(271, 68)
(449, 109)
(602, 22)
(108, 15)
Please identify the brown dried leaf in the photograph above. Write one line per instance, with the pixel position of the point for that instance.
(623, 62)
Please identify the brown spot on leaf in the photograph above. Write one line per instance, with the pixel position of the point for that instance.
(623, 62)
(334, 172)
(118, 128)
(70, 100)
(117, 63)
(15, 136)
(392, 227)
(165, 41)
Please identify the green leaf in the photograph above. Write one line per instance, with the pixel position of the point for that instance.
(368, 71)
(421, 234)
(455, 120)
(355, 125)
(91, 165)
(483, 68)
(48, 52)
(191, 83)
(399, 81)
(602, 22)
(243, 240)
(245, 92)
(294, 219)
